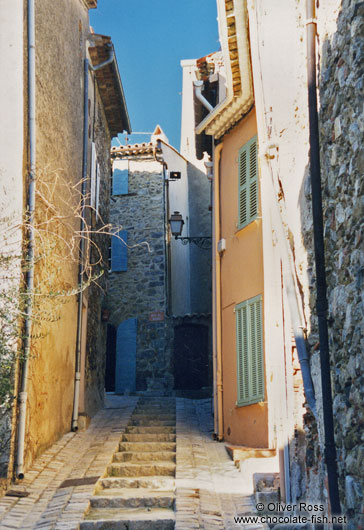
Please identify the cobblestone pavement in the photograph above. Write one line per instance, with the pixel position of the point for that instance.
(210, 491)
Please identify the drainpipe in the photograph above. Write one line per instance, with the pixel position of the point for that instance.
(321, 296)
(29, 259)
(167, 242)
(87, 66)
(82, 248)
(216, 297)
(198, 93)
(109, 60)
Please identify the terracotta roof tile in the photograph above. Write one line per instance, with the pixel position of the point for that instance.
(135, 150)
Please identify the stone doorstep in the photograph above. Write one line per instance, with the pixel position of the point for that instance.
(240, 453)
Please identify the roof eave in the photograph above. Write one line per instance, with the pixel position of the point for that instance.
(233, 29)
(116, 111)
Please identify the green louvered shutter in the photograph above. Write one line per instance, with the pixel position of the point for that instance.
(249, 347)
(248, 183)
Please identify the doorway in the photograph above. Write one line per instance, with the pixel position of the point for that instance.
(190, 356)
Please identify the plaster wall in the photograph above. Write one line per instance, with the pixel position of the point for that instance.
(188, 143)
(199, 187)
(61, 31)
(241, 279)
(178, 192)
(200, 225)
(11, 194)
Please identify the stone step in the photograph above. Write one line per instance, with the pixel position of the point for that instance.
(160, 416)
(150, 429)
(129, 519)
(153, 482)
(153, 437)
(147, 446)
(144, 456)
(154, 411)
(133, 498)
(155, 405)
(153, 422)
(126, 469)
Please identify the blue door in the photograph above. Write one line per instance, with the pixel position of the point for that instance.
(125, 369)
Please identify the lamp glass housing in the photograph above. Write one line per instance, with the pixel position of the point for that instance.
(176, 223)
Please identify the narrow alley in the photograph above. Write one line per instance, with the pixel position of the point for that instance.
(144, 463)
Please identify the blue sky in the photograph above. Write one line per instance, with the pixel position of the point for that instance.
(150, 39)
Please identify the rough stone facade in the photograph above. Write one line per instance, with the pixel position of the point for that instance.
(140, 291)
(96, 294)
(342, 170)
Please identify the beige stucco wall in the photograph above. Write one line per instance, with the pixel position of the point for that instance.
(241, 279)
(61, 30)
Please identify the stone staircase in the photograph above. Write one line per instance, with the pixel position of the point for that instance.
(138, 491)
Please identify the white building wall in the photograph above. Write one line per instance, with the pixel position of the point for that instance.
(180, 256)
(280, 87)
(11, 195)
(11, 111)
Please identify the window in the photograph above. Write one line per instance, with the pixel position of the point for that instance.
(249, 349)
(119, 251)
(248, 183)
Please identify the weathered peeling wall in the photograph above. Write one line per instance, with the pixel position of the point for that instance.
(282, 118)
(140, 291)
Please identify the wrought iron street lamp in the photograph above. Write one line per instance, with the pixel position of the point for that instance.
(176, 223)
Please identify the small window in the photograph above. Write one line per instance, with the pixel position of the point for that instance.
(248, 183)
(249, 349)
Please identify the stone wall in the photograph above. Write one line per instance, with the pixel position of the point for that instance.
(140, 291)
(96, 295)
(342, 167)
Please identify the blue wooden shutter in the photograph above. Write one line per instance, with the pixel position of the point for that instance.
(120, 181)
(125, 366)
(249, 349)
(248, 183)
(119, 251)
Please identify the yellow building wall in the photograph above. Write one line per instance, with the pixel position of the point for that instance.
(241, 279)
(61, 32)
